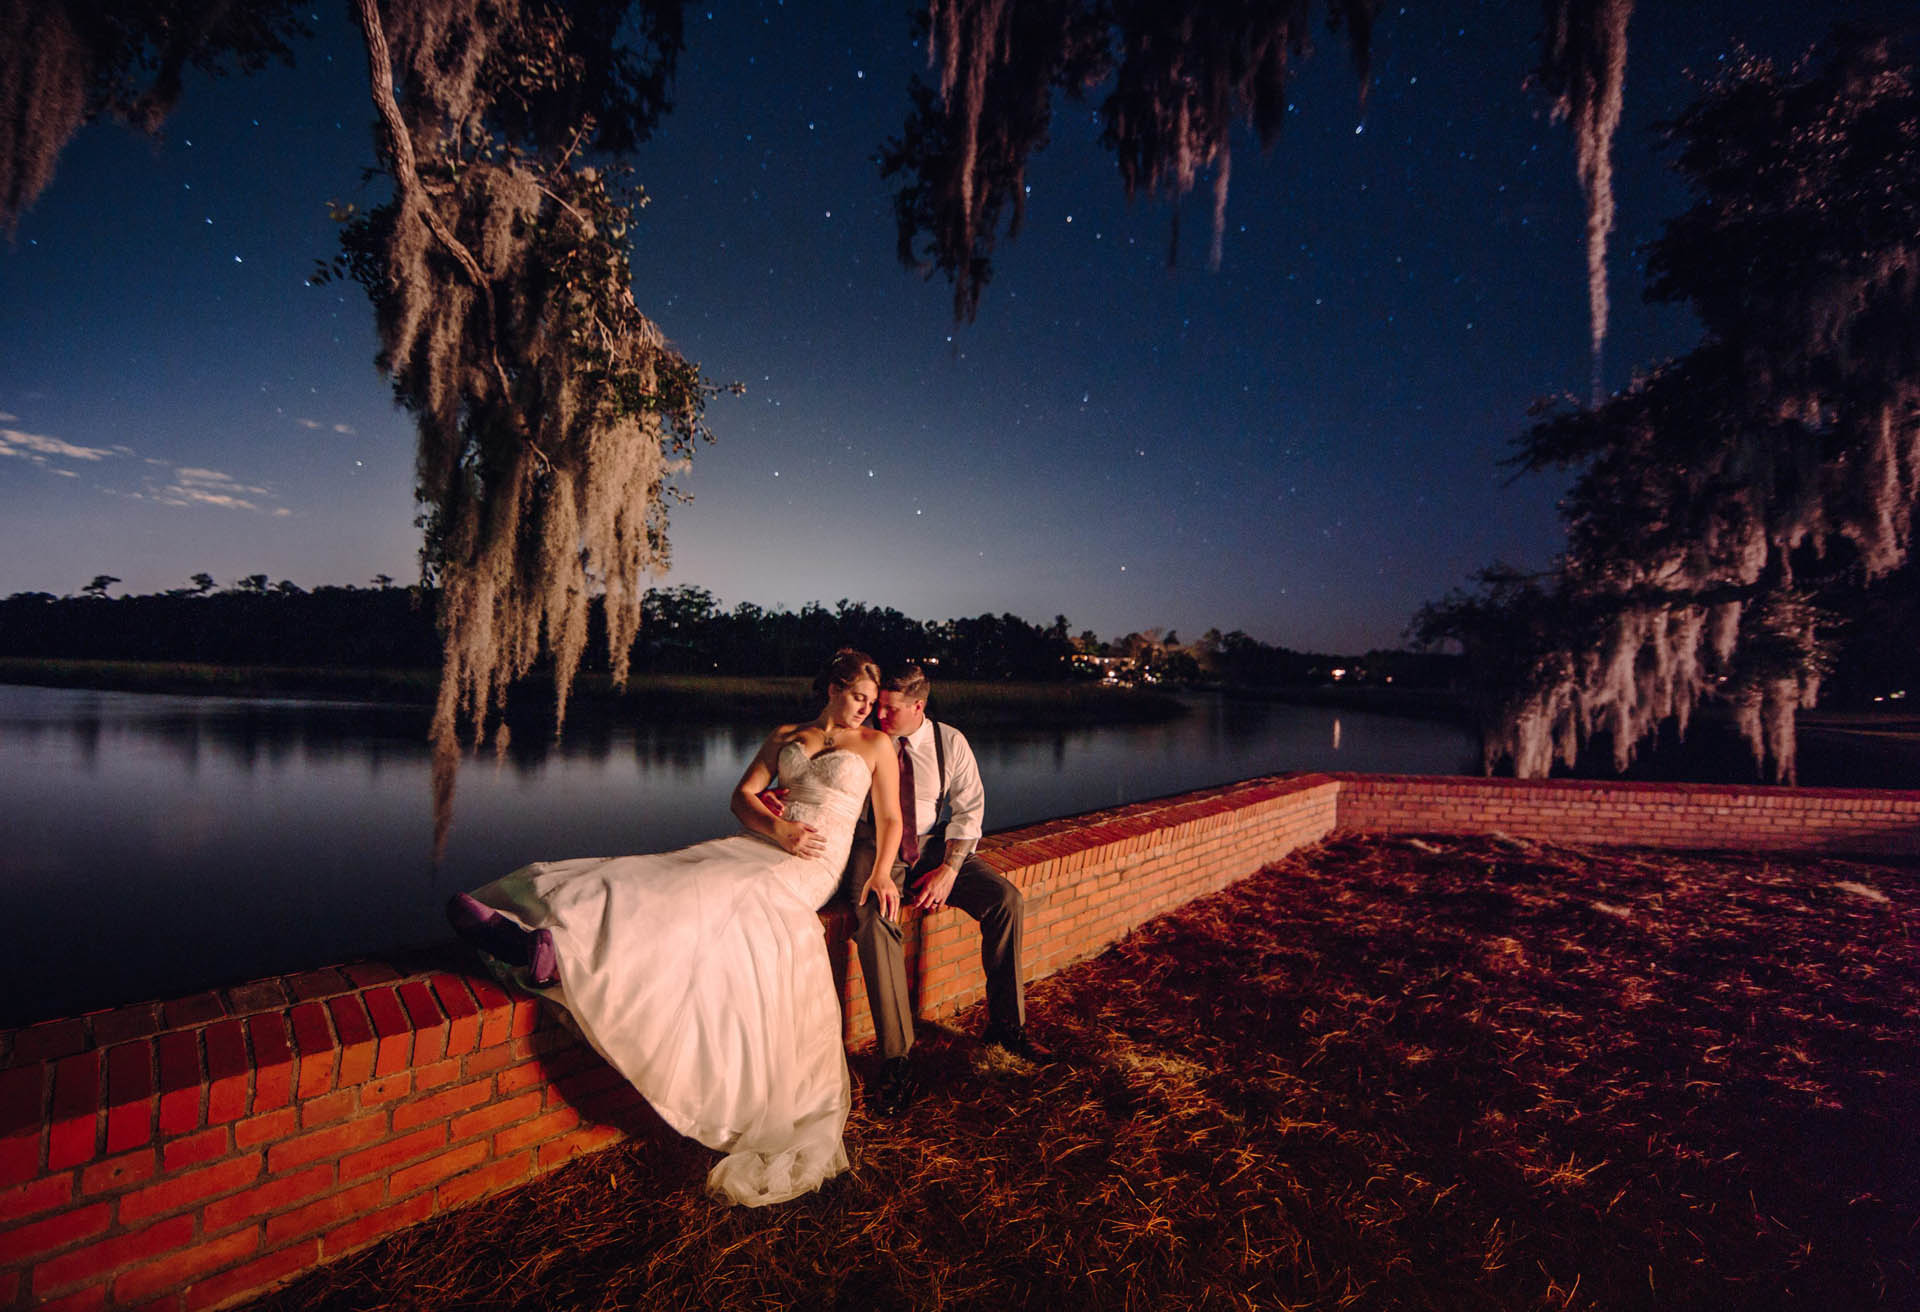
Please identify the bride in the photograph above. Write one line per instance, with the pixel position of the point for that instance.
(702, 974)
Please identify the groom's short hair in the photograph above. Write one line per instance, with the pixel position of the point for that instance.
(909, 680)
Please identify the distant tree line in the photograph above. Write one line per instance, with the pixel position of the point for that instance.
(684, 630)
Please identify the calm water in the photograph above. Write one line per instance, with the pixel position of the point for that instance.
(154, 845)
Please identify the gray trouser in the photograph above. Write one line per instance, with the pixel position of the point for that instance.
(980, 891)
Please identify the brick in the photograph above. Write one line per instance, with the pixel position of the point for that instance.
(527, 1075)
(325, 1110)
(272, 1062)
(85, 1300)
(488, 1179)
(179, 1154)
(319, 1055)
(109, 1255)
(496, 1011)
(328, 1143)
(199, 1009)
(326, 1212)
(526, 1017)
(227, 1071)
(434, 1075)
(50, 1040)
(129, 1096)
(275, 1195)
(72, 1122)
(356, 1038)
(482, 1060)
(23, 1122)
(317, 984)
(442, 1105)
(25, 1200)
(177, 1268)
(54, 1233)
(256, 1276)
(551, 1125)
(357, 1233)
(462, 1012)
(435, 1169)
(176, 1193)
(125, 1024)
(383, 1158)
(589, 1139)
(116, 1174)
(266, 1128)
(365, 974)
(256, 997)
(393, 1033)
(397, 1085)
(180, 1083)
(424, 1018)
(494, 1115)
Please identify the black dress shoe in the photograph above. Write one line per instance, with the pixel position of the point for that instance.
(1014, 1039)
(893, 1091)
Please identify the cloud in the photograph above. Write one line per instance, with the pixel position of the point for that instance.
(346, 430)
(193, 486)
(39, 448)
(6, 418)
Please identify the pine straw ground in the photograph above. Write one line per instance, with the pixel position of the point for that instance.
(1391, 1073)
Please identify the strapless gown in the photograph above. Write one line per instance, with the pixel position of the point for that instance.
(702, 976)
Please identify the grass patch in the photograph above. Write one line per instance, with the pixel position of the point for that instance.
(1426, 1074)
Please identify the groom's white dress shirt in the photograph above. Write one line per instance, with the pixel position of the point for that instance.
(965, 793)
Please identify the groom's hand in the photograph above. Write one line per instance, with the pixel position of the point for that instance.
(933, 893)
(799, 839)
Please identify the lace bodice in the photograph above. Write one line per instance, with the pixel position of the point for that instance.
(836, 780)
(827, 792)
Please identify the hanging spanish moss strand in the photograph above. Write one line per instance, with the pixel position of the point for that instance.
(1184, 75)
(64, 63)
(551, 412)
(1720, 495)
(1585, 66)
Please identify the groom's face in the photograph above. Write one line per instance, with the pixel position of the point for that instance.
(899, 714)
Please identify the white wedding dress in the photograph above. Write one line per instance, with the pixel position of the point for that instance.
(702, 976)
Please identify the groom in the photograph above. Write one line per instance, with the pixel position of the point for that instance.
(943, 804)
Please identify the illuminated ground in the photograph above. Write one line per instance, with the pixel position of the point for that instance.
(1439, 1073)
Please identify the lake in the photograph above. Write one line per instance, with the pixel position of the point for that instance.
(155, 845)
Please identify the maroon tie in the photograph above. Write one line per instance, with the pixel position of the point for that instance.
(910, 839)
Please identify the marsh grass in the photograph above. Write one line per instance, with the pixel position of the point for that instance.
(1392, 1073)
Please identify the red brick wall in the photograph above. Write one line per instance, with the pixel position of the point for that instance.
(191, 1153)
(1838, 820)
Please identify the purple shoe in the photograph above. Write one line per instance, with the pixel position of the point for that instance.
(543, 963)
(497, 936)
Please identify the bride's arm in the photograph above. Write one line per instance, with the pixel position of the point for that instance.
(887, 827)
(799, 839)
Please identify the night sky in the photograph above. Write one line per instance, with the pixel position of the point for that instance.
(1304, 445)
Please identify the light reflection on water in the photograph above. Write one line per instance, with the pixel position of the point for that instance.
(154, 845)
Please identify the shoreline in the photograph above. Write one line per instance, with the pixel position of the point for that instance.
(660, 696)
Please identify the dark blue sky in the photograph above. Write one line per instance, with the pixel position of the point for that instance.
(1303, 445)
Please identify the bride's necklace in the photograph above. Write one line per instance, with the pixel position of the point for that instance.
(827, 730)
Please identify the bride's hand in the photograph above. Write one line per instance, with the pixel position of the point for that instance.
(880, 885)
(799, 839)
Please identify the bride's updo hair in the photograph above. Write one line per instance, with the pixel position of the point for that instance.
(847, 668)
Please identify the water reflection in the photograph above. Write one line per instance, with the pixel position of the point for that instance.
(154, 844)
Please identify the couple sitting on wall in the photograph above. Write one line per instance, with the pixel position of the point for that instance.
(702, 974)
